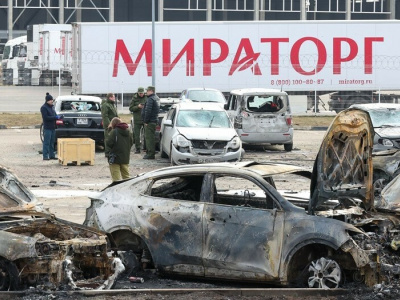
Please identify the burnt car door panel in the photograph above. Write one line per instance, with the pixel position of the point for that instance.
(173, 218)
(240, 239)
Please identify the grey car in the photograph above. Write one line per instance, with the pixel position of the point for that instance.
(385, 119)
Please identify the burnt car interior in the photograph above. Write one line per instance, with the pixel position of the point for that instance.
(244, 192)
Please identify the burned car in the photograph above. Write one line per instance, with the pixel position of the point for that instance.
(37, 249)
(228, 221)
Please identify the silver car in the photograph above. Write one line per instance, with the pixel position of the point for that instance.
(198, 133)
(261, 116)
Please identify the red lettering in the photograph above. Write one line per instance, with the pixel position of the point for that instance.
(337, 53)
(248, 61)
(275, 52)
(368, 52)
(207, 55)
(188, 49)
(58, 51)
(120, 49)
(295, 53)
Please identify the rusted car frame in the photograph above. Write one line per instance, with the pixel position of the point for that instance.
(37, 249)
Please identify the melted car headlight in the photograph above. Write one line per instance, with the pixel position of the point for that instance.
(234, 143)
(387, 143)
(181, 141)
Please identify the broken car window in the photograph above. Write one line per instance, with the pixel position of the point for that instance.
(265, 103)
(180, 188)
(240, 191)
(203, 119)
(80, 106)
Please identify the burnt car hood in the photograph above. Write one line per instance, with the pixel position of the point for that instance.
(14, 195)
(343, 167)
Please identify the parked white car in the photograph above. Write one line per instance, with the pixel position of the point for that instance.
(199, 133)
(261, 116)
(203, 95)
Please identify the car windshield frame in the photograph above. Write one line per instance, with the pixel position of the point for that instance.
(389, 117)
(203, 119)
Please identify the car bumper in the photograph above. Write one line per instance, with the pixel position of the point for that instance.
(258, 138)
(97, 135)
(193, 158)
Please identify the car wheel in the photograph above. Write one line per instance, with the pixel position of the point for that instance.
(170, 157)
(162, 152)
(324, 273)
(9, 279)
(41, 133)
(288, 147)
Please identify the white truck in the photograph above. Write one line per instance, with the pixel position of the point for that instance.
(47, 56)
(14, 55)
(312, 57)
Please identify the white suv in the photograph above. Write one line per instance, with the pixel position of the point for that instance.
(261, 116)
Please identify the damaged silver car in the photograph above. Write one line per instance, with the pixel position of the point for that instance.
(37, 249)
(228, 221)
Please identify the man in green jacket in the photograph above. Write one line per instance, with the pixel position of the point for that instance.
(108, 112)
(138, 101)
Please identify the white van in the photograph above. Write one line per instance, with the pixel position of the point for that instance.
(261, 116)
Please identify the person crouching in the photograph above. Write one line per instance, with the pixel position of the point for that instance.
(119, 141)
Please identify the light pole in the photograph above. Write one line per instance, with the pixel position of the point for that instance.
(153, 48)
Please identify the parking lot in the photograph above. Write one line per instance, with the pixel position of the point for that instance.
(60, 187)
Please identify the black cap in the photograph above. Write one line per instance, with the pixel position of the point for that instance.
(48, 97)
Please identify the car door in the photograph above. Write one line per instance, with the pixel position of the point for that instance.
(168, 131)
(242, 229)
(170, 215)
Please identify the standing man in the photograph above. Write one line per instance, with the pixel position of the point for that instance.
(150, 119)
(136, 106)
(108, 112)
(49, 117)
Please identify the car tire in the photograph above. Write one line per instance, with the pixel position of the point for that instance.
(9, 277)
(171, 158)
(41, 133)
(162, 152)
(288, 147)
(324, 273)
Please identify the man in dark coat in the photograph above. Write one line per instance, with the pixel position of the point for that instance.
(150, 119)
(136, 106)
(49, 118)
(108, 112)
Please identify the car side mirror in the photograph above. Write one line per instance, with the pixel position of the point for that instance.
(226, 107)
(168, 123)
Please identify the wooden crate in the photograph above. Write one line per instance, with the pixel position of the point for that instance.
(75, 151)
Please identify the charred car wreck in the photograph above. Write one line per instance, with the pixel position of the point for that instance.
(228, 221)
(37, 249)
